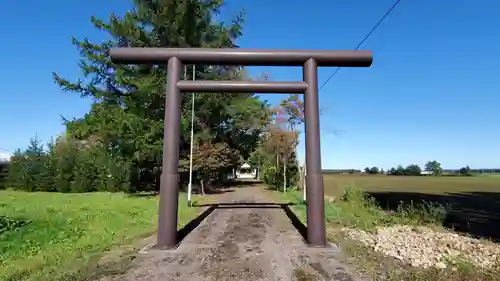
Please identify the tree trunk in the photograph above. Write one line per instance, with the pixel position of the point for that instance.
(276, 173)
(202, 187)
(284, 174)
(301, 177)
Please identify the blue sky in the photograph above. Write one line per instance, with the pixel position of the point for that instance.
(432, 92)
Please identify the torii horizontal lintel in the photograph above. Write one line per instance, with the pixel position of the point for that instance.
(201, 86)
(237, 56)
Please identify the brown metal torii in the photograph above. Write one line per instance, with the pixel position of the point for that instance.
(309, 60)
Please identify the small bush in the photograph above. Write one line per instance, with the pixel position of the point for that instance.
(9, 224)
(362, 211)
(423, 212)
(356, 209)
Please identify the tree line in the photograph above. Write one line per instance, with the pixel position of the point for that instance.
(431, 168)
(117, 145)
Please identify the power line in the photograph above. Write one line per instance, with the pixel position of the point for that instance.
(364, 39)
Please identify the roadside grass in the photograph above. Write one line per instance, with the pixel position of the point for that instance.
(54, 236)
(355, 209)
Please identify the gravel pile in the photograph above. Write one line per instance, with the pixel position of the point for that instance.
(424, 247)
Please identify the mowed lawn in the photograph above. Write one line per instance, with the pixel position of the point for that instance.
(62, 233)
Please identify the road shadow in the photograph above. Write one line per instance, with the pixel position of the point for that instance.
(208, 191)
(263, 205)
(474, 213)
(242, 183)
(217, 191)
(192, 225)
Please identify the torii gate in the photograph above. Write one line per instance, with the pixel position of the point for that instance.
(175, 57)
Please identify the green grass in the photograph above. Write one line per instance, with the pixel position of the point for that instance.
(60, 234)
(356, 210)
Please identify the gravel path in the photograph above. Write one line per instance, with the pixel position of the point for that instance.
(241, 243)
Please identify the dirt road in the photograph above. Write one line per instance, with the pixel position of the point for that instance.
(241, 242)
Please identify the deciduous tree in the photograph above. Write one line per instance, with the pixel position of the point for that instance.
(465, 171)
(434, 167)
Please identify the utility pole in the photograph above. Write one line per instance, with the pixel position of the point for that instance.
(190, 184)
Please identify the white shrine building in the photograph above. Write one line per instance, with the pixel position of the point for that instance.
(246, 172)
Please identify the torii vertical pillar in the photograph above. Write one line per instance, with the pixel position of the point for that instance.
(315, 195)
(169, 182)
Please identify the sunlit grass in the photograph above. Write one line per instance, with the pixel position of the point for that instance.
(63, 231)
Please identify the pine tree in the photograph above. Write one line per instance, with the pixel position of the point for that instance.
(48, 169)
(34, 157)
(17, 173)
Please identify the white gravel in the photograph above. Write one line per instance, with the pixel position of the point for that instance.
(424, 247)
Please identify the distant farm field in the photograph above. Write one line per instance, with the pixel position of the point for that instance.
(473, 203)
(426, 184)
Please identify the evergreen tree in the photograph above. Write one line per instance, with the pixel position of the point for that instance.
(85, 172)
(66, 157)
(26, 167)
(4, 166)
(34, 157)
(17, 171)
(48, 169)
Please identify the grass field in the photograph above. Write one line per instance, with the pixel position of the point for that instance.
(53, 236)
